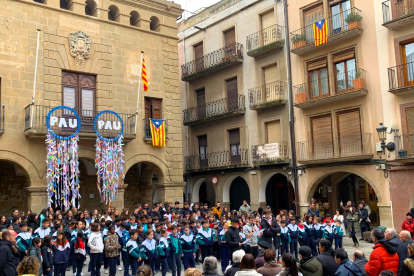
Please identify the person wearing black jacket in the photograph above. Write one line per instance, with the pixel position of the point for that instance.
(326, 258)
(271, 229)
(47, 255)
(7, 263)
(185, 210)
(363, 215)
(402, 251)
(233, 238)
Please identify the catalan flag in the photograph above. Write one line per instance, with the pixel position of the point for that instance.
(320, 32)
(144, 75)
(157, 132)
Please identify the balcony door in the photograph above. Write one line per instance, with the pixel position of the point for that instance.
(232, 95)
(199, 57)
(407, 51)
(402, 8)
(318, 79)
(311, 16)
(235, 151)
(409, 115)
(271, 88)
(339, 12)
(273, 132)
(322, 145)
(229, 43)
(267, 35)
(153, 109)
(201, 103)
(345, 70)
(349, 131)
(202, 151)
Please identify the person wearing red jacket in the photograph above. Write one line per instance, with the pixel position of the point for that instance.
(408, 224)
(384, 255)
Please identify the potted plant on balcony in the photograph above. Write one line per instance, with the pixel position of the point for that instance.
(402, 153)
(299, 40)
(354, 20)
(358, 82)
(301, 95)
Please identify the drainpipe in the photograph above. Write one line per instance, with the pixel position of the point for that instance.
(290, 101)
(187, 138)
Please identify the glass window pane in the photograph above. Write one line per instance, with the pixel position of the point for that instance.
(336, 19)
(351, 68)
(314, 83)
(346, 9)
(69, 98)
(324, 81)
(87, 102)
(340, 76)
(409, 56)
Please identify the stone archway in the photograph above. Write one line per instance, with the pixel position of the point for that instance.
(196, 191)
(239, 191)
(278, 191)
(263, 184)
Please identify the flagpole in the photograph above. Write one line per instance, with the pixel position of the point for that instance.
(139, 89)
(35, 77)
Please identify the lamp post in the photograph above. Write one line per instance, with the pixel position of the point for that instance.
(382, 134)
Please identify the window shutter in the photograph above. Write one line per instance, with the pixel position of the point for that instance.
(317, 65)
(232, 94)
(229, 37)
(69, 97)
(147, 107)
(313, 15)
(409, 112)
(201, 103)
(156, 108)
(270, 74)
(343, 56)
(234, 136)
(274, 134)
(268, 19)
(87, 100)
(350, 140)
(198, 51)
(322, 144)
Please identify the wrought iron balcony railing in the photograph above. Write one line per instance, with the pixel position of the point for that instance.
(215, 110)
(404, 146)
(35, 119)
(219, 159)
(270, 153)
(348, 146)
(394, 10)
(338, 26)
(340, 86)
(2, 118)
(147, 129)
(269, 94)
(265, 39)
(401, 77)
(212, 61)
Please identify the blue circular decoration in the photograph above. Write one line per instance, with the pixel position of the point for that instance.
(96, 129)
(74, 113)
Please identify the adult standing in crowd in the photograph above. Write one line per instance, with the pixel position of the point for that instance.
(210, 266)
(313, 211)
(360, 260)
(405, 237)
(237, 257)
(408, 268)
(7, 264)
(408, 223)
(309, 265)
(233, 237)
(247, 266)
(366, 207)
(271, 267)
(363, 216)
(289, 267)
(402, 251)
(352, 218)
(271, 229)
(345, 210)
(326, 258)
(384, 255)
(217, 210)
(245, 208)
(346, 267)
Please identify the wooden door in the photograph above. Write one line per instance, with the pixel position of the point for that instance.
(201, 103)
(402, 7)
(229, 43)
(407, 51)
(147, 102)
(199, 57)
(235, 153)
(267, 34)
(311, 16)
(87, 101)
(322, 145)
(349, 131)
(202, 151)
(409, 114)
(273, 132)
(271, 90)
(156, 105)
(232, 95)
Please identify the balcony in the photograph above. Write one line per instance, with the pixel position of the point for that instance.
(2, 119)
(336, 88)
(268, 95)
(265, 41)
(216, 110)
(271, 154)
(336, 149)
(217, 161)
(342, 26)
(35, 123)
(147, 131)
(213, 62)
(401, 79)
(404, 148)
(397, 13)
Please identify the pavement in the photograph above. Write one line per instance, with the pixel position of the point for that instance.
(366, 247)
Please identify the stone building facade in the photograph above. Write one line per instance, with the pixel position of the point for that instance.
(117, 33)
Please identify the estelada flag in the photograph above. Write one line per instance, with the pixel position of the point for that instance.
(157, 132)
(144, 75)
(320, 32)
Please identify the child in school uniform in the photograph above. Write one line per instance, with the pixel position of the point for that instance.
(61, 251)
(338, 234)
(294, 235)
(224, 248)
(303, 238)
(317, 231)
(175, 253)
(328, 231)
(23, 240)
(95, 242)
(164, 251)
(284, 237)
(80, 252)
(148, 250)
(134, 254)
(188, 247)
(310, 236)
(125, 228)
(205, 238)
(112, 247)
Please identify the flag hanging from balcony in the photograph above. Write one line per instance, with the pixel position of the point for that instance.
(157, 132)
(144, 75)
(320, 32)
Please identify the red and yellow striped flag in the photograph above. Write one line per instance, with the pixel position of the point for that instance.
(320, 32)
(158, 132)
(144, 76)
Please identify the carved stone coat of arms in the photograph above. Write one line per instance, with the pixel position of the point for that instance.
(80, 48)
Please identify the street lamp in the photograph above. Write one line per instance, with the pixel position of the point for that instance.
(382, 135)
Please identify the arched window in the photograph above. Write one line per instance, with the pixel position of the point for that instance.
(134, 19)
(66, 4)
(113, 13)
(91, 7)
(154, 24)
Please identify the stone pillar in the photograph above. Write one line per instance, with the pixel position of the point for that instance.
(102, 13)
(146, 194)
(120, 200)
(37, 198)
(77, 6)
(226, 204)
(170, 192)
(385, 215)
(124, 19)
(303, 208)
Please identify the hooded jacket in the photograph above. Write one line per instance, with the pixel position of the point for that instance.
(408, 225)
(361, 264)
(310, 267)
(383, 257)
(408, 268)
(328, 262)
(7, 266)
(35, 252)
(346, 268)
(247, 272)
(47, 255)
(402, 252)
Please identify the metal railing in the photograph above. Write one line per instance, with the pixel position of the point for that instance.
(2, 118)
(208, 61)
(270, 92)
(40, 112)
(395, 9)
(264, 37)
(272, 152)
(404, 146)
(215, 108)
(217, 159)
(401, 76)
(330, 86)
(147, 128)
(336, 24)
(335, 147)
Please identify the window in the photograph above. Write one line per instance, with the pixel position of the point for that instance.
(113, 13)
(268, 33)
(155, 24)
(235, 151)
(232, 94)
(229, 42)
(339, 12)
(345, 70)
(201, 103)
(318, 78)
(202, 150)
(407, 52)
(322, 144)
(78, 91)
(153, 108)
(311, 16)
(199, 56)
(273, 132)
(65, 4)
(90, 7)
(349, 132)
(134, 19)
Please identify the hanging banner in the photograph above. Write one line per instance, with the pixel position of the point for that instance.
(270, 150)
(109, 162)
(63, 124)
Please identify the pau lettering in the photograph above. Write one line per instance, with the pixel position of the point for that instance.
(72, 122)
(107, 125)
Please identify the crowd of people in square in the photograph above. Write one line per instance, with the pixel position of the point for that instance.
(167, 238)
